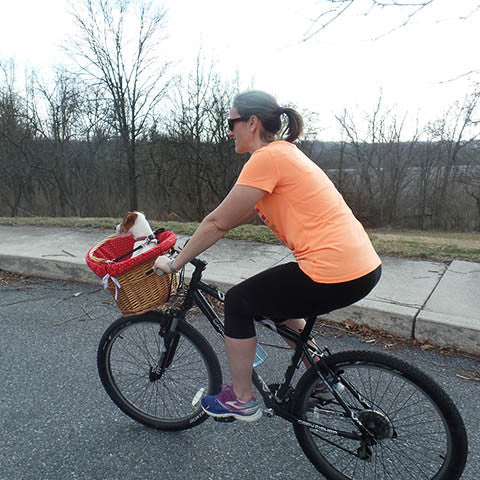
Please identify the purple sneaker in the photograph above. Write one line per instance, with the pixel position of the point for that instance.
(226, 404)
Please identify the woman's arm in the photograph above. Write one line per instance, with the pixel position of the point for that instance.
(237, 208)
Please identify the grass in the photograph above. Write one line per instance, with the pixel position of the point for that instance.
(437, 246)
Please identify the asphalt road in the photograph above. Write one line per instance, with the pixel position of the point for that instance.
(57, 423)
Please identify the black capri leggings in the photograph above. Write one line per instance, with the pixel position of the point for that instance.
(285, 292)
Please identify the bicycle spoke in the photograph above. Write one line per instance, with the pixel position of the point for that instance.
(411, 436)
(136, 352)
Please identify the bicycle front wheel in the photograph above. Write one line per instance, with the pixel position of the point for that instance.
(128, 356)
(418, 432)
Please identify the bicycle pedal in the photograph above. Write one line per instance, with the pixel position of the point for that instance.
(224, 419)
(269, 412)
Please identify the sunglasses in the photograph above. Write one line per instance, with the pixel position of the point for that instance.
(232, 121)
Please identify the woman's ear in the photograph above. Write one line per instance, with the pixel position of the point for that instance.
(253, 122)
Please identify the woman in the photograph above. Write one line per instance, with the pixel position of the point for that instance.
(336, 263)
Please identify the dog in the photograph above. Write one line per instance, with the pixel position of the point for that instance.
(135, 223)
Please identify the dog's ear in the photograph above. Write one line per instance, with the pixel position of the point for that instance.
(128, 222)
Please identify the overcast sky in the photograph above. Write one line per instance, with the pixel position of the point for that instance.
(345, 66)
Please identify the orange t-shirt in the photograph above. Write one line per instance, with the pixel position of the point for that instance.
(305, 211)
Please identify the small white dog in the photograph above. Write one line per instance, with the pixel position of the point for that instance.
(135, 223)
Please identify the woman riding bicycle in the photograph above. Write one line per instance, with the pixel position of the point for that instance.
(336, 263)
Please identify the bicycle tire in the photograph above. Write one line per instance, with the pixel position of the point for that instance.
(127, 351)
(428, 444)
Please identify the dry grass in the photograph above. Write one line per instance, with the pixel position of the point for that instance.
(437, 246)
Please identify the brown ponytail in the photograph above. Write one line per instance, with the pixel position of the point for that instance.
(266, 108)
(294, 128)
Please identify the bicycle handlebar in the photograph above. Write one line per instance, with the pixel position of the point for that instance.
(199, 265)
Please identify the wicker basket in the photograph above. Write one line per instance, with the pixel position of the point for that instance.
(139, 292)
(134, 291)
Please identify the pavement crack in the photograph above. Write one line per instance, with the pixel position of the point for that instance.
(24, 301)
(422, 307)
(390, 301)
(281, 259)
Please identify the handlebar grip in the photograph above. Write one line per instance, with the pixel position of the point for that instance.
(196, 262)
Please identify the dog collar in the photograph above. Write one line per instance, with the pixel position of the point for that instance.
(148, 237)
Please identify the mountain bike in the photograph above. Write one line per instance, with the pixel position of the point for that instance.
(388, 421)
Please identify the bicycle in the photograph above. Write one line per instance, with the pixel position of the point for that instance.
(389, 421)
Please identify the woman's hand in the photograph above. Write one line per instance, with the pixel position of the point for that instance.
(161, 263)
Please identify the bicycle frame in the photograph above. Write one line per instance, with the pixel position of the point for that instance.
(277, 402)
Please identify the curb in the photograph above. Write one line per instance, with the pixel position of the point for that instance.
(51, 269)
(413, 322)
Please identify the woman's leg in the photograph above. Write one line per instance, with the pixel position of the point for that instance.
(241, 354)
(280, 292)
(297, 324)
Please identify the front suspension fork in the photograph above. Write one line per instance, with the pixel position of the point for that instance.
(169, 338)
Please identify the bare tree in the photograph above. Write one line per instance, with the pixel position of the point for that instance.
(117, 45)
(452, 134)
(382, 160)
(330, 12)
(56, 112)
(470, 179)
(15, 140)
(92, 168)
(204, 155)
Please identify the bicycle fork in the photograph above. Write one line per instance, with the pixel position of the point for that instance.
(169, 339)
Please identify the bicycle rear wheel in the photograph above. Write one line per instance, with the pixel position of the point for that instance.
(418, 431)
(129, 352)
